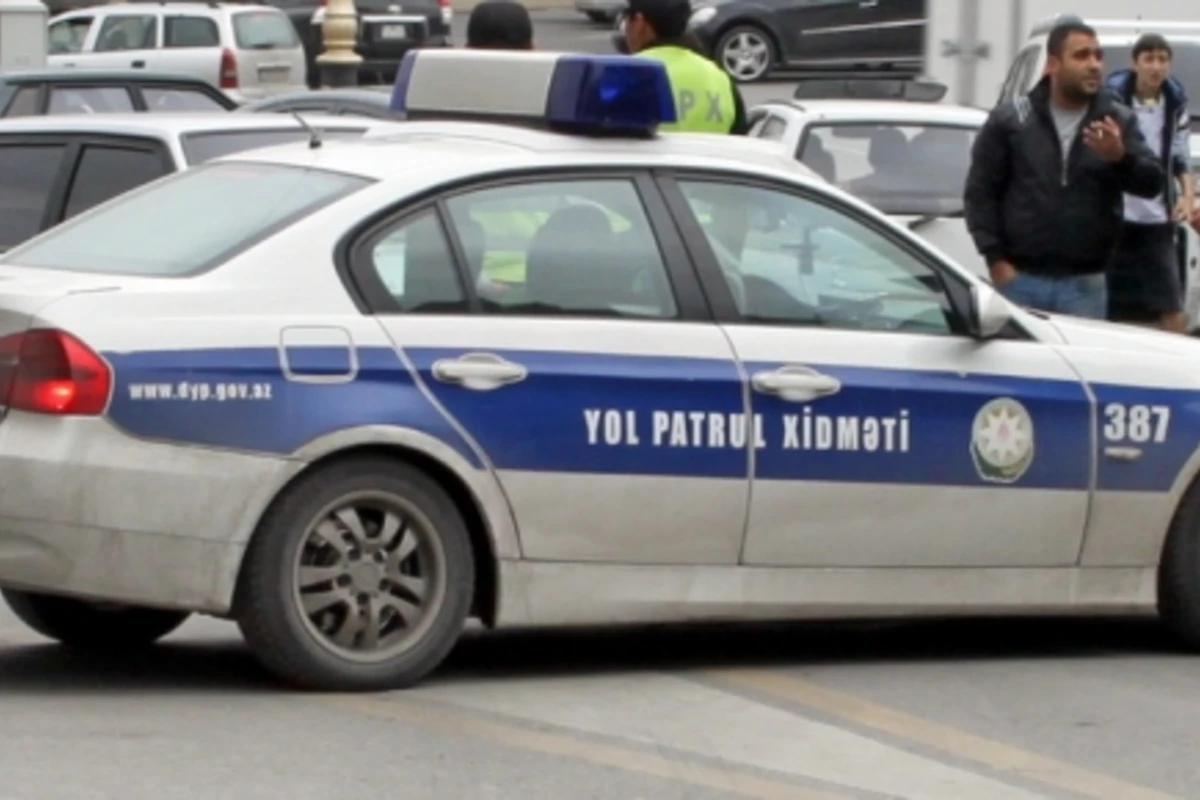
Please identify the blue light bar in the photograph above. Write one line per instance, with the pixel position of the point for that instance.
(599, 95)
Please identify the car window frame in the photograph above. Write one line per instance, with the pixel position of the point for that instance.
(169, 17)
(79, 142)
(108, 16)
(55, 195)
(710, 274)
(372, 298)
(40, 97)
(140, 104)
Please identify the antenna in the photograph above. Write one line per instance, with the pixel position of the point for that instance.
(314, 138)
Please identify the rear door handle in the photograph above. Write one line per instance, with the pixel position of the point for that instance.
(795, 384)
(138, 64)
(868, 3)
(480, 372)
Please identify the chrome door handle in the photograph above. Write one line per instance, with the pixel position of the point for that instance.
(795, 384)
(480, 372)
(868, 3)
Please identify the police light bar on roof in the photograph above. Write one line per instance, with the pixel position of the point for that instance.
(590, 94)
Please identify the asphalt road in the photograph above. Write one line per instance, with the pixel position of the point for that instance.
(1009, 710)
(968, 710)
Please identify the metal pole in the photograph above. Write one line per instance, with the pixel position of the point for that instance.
(339, 62)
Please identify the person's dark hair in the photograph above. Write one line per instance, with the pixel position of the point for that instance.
(1062, 31)
(1151, 43)
(668, 18)
(500, 25)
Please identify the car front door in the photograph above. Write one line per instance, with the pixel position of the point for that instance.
(831, 32)
(891, 438)
(557, 321)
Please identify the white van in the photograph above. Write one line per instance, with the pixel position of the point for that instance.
(247, 51)
(1117, 38)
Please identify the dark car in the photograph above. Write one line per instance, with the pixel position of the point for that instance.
(751, 38)
(74, 91)
(364, 102)
(387, 29)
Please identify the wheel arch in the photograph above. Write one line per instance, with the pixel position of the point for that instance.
(475, 493)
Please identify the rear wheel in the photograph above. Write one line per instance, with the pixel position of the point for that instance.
(359, 579)
(746, 52)
(95, 626)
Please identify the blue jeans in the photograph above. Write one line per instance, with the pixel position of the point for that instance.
(1079, 295)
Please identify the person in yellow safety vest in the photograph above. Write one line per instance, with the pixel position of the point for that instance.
(706, 99)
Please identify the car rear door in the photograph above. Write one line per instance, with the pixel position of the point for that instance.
(268, 51)
(891, 437)
(191, 45)
(556, 321)
(103, 167)
(830, 33)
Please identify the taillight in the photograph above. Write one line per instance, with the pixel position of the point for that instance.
(51, 372)
(229, 74)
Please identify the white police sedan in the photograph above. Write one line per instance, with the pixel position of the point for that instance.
(549, 368)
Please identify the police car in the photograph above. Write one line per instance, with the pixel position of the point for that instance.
(547, 367)
(892, 143)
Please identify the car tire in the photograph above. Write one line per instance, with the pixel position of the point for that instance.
(354, 549)
(1179, 573)
(751, 39)
(92, 626)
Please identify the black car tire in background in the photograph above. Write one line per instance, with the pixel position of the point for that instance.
(747, 52)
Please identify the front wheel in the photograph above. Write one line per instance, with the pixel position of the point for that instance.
(359, 579)
(92, 626)
(746, 52)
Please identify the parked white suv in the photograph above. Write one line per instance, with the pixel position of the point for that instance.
(248, 51)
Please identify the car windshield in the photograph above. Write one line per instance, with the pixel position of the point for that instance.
(185, 223)
(899, 168)
(1185, 66)
(201, 147)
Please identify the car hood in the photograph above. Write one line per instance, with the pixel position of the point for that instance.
(1129, 341)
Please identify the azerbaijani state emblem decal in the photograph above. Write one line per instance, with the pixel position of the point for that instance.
(1002, 441)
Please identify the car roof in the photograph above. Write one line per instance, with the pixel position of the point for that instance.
(77, 76)
(886, 111)
(169, 124)
(381, 95)
(396, 149)
(173, 6)
(1118, 28)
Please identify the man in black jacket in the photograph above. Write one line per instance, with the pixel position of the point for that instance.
(1044, 195)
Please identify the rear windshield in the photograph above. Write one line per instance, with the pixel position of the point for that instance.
(263, 30)
(201, 147)
(186, 223)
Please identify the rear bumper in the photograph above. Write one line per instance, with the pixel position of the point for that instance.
(87, 511)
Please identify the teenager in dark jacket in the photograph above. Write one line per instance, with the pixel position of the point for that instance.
(1145, 285)
(1045, 192)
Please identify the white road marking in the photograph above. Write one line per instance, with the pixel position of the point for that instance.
(665, 711)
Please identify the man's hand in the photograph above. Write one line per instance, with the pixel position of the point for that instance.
(1185, 209)
(1196, 218)
(1002, 272)
(1104, 137)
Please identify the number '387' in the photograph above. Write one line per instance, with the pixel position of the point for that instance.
(1136, 423)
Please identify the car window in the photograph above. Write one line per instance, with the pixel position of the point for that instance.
(792, 260)
(29, 171)
(901, 169)
(772, 128)
(563, 247)
(68, 35)
(414, 262)
(190, 32)
(188, 222)
(127, 32)
(89, 100)
(263, 30)
(1019, 78)
(177, 99)
(24, 103)
(201, 147)
(104, 172)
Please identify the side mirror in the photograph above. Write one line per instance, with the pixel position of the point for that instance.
(989, 313)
